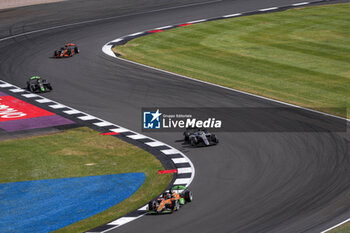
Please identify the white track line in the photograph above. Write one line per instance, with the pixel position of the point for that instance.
(198, 21)
(136, 34)
(329, 229)
(300, 4)
(164, 27)
(233, 15)
(268, 9)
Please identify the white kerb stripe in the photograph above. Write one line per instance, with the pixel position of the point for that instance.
(71, 112)
(117, 40)
(143, 208)
(154, 144)
(180, 160)
(136, 34)
(30, 95)
(197, 21)
(165, 27)
(122, 220)
(300, 4)
(43, 100)
(170, 151)
(269, 9)
(107, 49)
(87, 118)
(184, 170)
(137, 136)
(119, 130)
(103, 123)
(233, 15)
(182, 181)
(17, 90)
(57, 106)
(6, 85)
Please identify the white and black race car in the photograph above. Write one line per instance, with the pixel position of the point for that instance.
(200, 136)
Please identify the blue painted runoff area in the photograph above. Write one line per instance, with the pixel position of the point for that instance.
(46, 205)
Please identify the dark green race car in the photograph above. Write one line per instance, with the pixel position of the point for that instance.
(38, 85)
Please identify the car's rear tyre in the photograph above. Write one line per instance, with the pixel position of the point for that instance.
(152, 205)
(188, 196)
(187, 136)
(76, 50)
(32, 88)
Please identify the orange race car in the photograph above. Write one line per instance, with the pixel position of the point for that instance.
(171, 200)
(68, 50)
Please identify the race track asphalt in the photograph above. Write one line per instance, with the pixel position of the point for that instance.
(250, 182)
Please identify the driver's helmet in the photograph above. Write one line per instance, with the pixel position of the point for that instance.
(167, 194)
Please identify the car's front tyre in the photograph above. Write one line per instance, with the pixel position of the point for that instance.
(193, 141)
(188, 196)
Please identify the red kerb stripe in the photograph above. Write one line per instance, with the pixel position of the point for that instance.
(185, 24)
(155, 31)
(109, 133)
(167, 171)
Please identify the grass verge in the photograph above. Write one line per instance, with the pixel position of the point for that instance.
(345, 228)
(77, 153)
(300, 56)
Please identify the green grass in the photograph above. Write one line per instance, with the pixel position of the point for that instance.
(77, 153)
(300, 56)
(345, 228)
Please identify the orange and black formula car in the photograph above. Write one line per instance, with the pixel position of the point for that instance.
(171, 200)
(68, 50)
